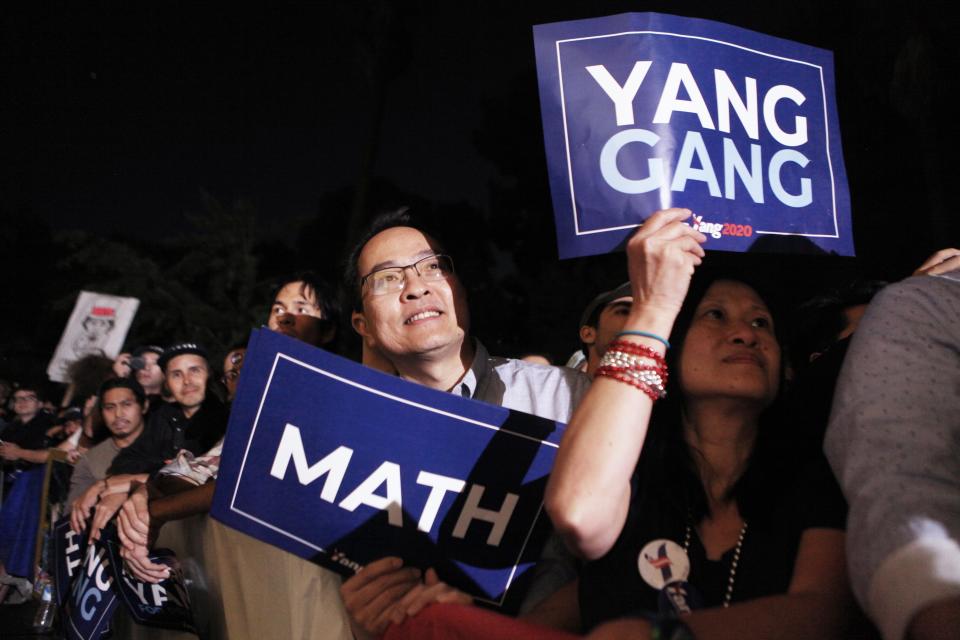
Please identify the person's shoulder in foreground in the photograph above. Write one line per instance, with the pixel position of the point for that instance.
(894, 442)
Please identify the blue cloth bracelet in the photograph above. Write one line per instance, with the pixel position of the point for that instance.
(645, 334)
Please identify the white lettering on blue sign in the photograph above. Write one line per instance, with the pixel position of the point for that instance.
(387, 473)
(88, 589)
(472, 511)
(334, 466)
(158, 595)
(72, 547)
(694, 162)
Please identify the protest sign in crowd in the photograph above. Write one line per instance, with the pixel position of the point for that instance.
(712, 462)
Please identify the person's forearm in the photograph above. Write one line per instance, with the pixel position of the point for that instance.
(121, 483)
(36, 456)
(589, 489)
(184, 504)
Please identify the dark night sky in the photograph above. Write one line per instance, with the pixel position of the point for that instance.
(116, 117)
(120, 114)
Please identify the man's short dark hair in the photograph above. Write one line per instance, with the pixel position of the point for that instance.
(123, 383)
(402, 217)
(591, 314)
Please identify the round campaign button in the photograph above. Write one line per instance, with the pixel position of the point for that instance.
(661, 562)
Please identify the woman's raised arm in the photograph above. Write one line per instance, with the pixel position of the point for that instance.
(589, 490)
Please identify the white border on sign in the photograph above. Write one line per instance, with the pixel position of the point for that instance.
(353, 383)
(566, 137)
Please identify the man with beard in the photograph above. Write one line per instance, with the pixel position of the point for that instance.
(123, 405)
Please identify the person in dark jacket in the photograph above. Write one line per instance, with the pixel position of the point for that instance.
(195, 421)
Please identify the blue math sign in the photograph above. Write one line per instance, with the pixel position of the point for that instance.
(342, 465)
(643, 111)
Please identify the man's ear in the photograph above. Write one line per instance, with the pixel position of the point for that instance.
(588, 335)
(359, 323)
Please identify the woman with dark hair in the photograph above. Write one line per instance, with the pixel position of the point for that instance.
(696, 509)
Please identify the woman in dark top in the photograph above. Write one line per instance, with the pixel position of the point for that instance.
(701, 507)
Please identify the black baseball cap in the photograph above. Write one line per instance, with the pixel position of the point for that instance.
(181, 349)
(603, 300)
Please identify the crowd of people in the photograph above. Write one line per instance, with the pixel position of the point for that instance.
(690, 497)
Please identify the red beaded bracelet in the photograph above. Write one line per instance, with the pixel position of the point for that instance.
(637, 350)
(607, 372)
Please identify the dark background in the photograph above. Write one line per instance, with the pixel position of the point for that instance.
(189, 155)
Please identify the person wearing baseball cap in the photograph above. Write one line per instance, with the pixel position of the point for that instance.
(601, 321)
(194, 421)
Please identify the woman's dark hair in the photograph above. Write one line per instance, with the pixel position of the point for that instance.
(669, 471)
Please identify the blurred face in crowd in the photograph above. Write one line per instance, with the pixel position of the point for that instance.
(731, 349)
(151, 376)
(26, 403)
(609, 323)
(186, 377)
(296, 313)
(70, 427)
(122, 414)
(231, 370)
(421, 317)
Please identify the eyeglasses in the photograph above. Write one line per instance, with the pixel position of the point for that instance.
(27, 398)
(392, 279)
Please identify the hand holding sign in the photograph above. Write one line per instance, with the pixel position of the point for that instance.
(104, 512)
(371, 596)
(641, 110)
(432, 590)
(80, 509)
(661, 258)
(133, 530)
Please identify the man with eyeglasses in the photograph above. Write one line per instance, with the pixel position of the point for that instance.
(410, 306)
(26, 437)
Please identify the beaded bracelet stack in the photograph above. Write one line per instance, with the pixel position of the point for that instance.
(636, 365)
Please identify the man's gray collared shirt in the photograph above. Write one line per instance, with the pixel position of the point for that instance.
(549, 392)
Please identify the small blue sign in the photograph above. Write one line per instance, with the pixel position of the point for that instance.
(89, 605)
(644, 111)
(342, 464)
